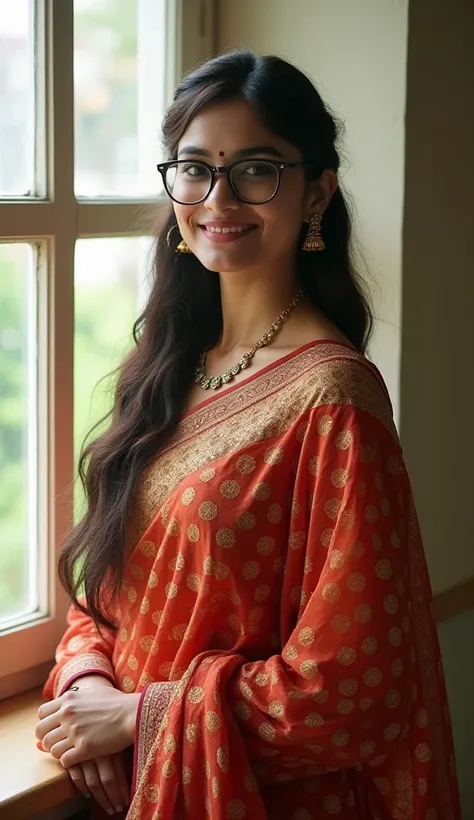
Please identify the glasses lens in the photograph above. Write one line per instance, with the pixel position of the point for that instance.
(188, 182)
(254, 180)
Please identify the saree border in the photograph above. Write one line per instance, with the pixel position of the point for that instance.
(318, 377)
(176, 691)
(270, 382)
(152, 708)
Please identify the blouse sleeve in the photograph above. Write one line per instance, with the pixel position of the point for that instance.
(81, 651)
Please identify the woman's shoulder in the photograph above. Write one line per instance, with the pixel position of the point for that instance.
(335, 374)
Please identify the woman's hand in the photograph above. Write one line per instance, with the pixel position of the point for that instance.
(93, 722)
(105, 780)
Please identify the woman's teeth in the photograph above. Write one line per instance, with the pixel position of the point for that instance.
(227, 230)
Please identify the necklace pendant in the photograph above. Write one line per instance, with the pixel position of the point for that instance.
(214, 382)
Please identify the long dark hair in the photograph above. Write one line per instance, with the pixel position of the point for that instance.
(183, 316)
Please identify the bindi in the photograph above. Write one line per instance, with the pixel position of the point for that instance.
(221, 154)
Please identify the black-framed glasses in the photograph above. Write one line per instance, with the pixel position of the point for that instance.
(254, 181)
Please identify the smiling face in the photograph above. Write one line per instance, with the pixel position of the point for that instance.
(226, 234)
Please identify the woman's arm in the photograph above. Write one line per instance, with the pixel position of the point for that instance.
(82, 651)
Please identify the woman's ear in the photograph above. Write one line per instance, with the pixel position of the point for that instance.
(320, 193)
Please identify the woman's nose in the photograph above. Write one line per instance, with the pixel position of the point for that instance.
(221, 196)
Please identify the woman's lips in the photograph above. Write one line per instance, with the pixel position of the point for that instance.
(226, 231)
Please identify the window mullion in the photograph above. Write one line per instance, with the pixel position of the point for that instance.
(132, 218)
(27, 218)
(60, 282)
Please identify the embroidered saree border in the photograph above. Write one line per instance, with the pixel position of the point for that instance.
(310, 363)
(152, 708)
(272, 403)
(144, 757)
(89, 663)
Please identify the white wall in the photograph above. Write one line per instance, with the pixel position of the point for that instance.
(356, 54)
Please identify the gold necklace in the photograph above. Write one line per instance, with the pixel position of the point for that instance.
(214, 382)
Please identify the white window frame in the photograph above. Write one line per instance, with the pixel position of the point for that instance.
(54, 221)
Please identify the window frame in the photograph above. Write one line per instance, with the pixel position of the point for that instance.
(53, 220)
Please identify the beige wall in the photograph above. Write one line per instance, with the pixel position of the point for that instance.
(437, 377)
(356, 54)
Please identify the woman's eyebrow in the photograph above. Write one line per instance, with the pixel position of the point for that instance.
(252, 151)
(192, 149)
(259, 149)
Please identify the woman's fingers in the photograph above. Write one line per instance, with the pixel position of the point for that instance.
(95, 786)
(47, 725)
(57, 750)
(55, 736)
(48, 708)
(77, 776)
(119, 768)
(109, 781)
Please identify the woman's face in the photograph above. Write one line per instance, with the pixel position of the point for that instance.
(220, 135)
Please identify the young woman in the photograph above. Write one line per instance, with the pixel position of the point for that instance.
(256, 615)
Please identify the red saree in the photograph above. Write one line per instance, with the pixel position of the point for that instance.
(276, 612)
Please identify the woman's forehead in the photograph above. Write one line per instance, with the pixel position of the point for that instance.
(226, 128)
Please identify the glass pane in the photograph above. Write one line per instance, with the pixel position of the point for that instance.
(18, 513)
(17, 140)
(119, 85)
(110, 287)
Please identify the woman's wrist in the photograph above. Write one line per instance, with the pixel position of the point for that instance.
(90, 680)
(131, 704)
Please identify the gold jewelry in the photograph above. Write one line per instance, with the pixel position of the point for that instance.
(168, 235)
(214, 382)
(314, 240)
(183, 247)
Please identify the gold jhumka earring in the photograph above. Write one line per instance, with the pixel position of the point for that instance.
(182, 247)
(314, 240)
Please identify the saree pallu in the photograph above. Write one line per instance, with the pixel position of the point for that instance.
(276, 611)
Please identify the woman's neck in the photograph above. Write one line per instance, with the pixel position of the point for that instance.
(250, 308)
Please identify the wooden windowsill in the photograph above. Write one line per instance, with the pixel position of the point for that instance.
(31, 782)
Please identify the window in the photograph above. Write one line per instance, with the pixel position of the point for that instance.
(83, 88)
(18, 429)
(103, 268)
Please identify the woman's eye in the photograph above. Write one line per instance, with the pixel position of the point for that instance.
(258, 170)
(193, 170)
